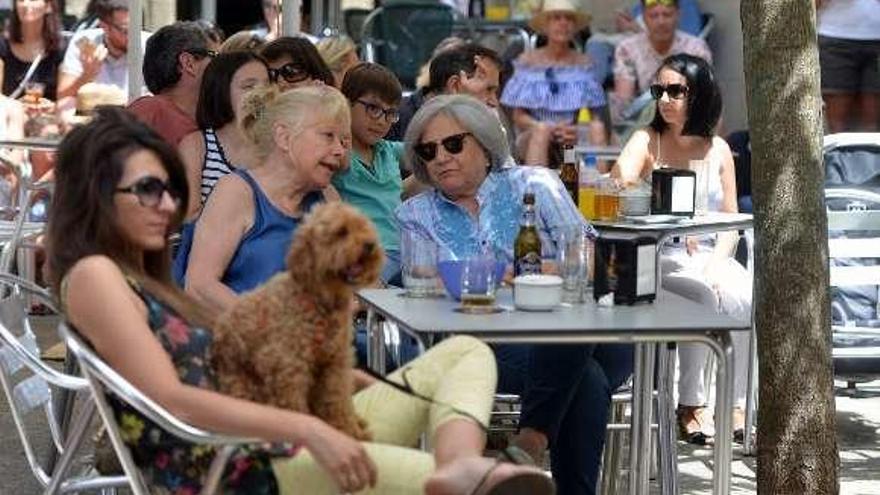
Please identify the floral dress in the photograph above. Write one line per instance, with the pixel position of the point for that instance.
(171, 465)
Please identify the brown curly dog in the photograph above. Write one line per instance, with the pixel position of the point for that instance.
(289, 342)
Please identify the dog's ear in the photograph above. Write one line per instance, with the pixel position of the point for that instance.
(300, 257)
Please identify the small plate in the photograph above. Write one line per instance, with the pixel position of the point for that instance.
(531, 309)
(652, 219)
(483, 310)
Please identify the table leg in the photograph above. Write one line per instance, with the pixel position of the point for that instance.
(666, 420)
(640, 441)
(375, 343)
(723, 348)
(751, 394)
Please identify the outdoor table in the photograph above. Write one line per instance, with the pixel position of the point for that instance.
(32, 144)
(600, 152)
(670, 318)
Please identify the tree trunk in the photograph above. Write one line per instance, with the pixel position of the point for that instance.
(797, 439)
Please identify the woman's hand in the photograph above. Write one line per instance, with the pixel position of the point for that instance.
(344, 458)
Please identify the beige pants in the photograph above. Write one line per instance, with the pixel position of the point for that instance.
(459, 371)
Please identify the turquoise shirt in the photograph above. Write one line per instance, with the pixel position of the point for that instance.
(375, 190)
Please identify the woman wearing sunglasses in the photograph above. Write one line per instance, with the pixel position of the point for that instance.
(295, 62)
(550, 85)
(688, 105)
(220, 147)
(120, 190)
(456, 144)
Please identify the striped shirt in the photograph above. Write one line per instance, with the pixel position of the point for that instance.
(552, 93)
(216, 165)
(432, 216)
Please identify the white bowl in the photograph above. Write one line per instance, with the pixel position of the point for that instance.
(537, 292)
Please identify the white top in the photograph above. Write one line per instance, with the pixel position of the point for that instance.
(114, 71)
(850, 19)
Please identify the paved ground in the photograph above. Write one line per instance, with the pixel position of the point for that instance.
(858, 421)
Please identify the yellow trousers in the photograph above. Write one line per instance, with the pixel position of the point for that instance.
(460, 371)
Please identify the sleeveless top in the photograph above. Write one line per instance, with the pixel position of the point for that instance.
(15, 69)
(262, 251)
(552, 93)
(216, 164)
(172, 465)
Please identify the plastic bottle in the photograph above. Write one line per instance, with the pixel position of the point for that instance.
(589, 183)
(584, 117)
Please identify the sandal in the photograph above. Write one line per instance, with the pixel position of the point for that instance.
(694, 425)
(531, 482)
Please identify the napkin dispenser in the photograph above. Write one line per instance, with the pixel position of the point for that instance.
(673, 191)
(626, 266)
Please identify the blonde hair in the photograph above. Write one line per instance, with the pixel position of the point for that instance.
(334, 49)
(242, 41)
(297, 108)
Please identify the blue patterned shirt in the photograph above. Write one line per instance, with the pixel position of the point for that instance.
(459, 234)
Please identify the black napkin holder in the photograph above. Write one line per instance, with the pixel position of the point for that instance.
(625, 264)
(673, 192)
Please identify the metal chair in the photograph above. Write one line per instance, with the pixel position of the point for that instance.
(402, 35)
(103, 380)
(29, 385)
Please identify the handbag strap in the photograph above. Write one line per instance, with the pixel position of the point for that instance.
(27, 76)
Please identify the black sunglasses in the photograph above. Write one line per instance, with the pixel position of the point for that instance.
(292, 73)
(202, 52)
(675, 91)
(149, 191)
(391, 115)
(452, 144)
(550, 74)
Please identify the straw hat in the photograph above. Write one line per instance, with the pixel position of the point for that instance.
(539, 20)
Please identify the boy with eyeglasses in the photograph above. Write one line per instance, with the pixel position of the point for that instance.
(637, 58)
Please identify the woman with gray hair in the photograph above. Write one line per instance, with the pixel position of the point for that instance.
(456, 144)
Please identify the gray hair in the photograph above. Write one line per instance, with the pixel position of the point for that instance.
(470, 113)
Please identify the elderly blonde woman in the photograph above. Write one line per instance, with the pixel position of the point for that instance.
(340, 54)
(551, 84)
(455, 143)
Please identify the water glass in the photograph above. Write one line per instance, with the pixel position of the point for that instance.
(478, 285)
(419, 260)
(701, 188)
(572, 257)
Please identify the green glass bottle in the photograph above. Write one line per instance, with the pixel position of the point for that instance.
(527, 247)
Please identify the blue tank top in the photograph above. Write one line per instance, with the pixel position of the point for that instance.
(262, 251)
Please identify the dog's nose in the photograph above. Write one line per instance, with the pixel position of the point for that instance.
(369, 247)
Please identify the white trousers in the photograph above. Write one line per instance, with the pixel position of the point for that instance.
(725, 287)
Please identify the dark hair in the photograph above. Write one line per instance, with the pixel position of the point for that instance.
(51, 27)
(162, 53)
(302, 52)
(368, 77)
(214, 109)
(82, 216)
(104, 9)
(457, 59)
(703, 97)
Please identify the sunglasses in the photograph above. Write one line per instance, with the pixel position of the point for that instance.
(391, 115)
(149, 191)
(675, 91)
(202, 52)
(551, 78)
(117, 27)
(665, 3)
(292, 73)
(452, 144)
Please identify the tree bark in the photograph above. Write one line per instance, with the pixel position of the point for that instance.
(797, 439)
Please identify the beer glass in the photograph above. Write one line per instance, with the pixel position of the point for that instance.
(572, 257)
(478, 284)
(419, 260)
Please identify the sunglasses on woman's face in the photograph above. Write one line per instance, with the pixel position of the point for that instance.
(292, 73)
(452, 144)
(675, 91)
(149, 191)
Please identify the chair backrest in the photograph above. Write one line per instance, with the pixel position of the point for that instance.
(353, 22)
(402, 36)
(854, 234)
(28, 383)
(103, 380)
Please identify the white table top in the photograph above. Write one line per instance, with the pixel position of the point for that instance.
(712, 222)
(669, 313)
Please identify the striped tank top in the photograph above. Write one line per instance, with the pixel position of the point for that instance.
(216, 165)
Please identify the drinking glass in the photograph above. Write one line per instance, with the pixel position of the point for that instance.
(701, 188)
(478, 285)
(419, 260)
(572, 257)
(34, 91)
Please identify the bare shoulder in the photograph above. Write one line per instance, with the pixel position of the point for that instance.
(95, 277)
(230, 186)
(721, 148)
(192, 141)
(641, 138)
(230, 202)
(94, 268)
(530, 57)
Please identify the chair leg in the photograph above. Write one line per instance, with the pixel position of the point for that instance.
(78, 429)
(612, 456)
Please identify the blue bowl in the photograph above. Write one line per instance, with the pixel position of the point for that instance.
(451, 270)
